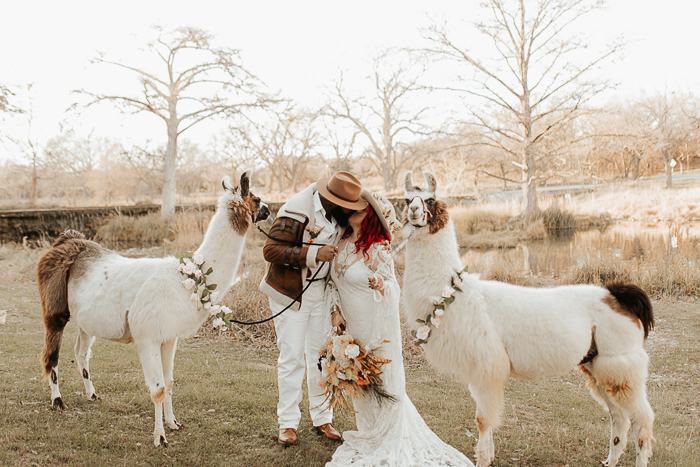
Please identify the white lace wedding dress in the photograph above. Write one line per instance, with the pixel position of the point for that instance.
(389, 434)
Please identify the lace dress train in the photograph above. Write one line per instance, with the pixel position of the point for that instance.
(388, 434)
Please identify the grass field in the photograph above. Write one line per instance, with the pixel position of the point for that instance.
(225, 393)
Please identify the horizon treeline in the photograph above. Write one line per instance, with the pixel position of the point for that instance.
(527, 112)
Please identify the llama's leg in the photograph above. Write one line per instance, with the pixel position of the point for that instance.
(167, 353)
(56, 401)
(619, 426)
(489, 404)
(151, 360)
(82, 356)
(643, 426)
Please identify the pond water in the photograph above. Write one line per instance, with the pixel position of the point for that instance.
(560, 254)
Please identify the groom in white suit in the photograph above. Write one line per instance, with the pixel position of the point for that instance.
(318, 215)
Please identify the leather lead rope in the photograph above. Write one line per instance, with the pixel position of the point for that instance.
(309, 281)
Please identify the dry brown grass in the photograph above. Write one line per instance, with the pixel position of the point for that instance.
(182, 230)
(488, 226)
(18, 262)
(475, 219)
(650, 203)
(662, 272)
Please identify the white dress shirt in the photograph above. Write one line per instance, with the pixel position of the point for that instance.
(326, 236)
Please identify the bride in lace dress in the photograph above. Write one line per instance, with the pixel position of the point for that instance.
(363, 286)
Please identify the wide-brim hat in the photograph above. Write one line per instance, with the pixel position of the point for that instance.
(342, 189)
(384, 210)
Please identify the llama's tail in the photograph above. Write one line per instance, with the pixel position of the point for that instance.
(52, 274)
(635, 301)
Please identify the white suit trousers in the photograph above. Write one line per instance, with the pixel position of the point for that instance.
(298, 333)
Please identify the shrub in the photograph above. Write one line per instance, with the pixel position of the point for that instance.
(554, 218)
(474, 219)
(185, 229)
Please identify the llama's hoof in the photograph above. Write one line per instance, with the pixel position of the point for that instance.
(95, 397)
(175, 425)
(57, 403)
(159, 440)
(482, 461)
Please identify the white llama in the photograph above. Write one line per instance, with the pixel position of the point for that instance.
(138, 300)
(493, 331)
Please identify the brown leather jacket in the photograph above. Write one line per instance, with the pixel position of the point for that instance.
(287, 265)
(286, 261)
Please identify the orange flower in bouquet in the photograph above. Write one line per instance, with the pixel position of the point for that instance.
(348, 370)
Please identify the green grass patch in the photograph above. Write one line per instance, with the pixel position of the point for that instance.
(225, 393)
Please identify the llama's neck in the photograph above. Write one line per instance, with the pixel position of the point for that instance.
(431, 260)
(222, 249)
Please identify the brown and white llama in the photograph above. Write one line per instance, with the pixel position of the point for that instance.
(138, 300)
(493, 330)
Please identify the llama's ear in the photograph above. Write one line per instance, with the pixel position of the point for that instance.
(408, 181)
(430, 181)
(226, 183)
(245, 182)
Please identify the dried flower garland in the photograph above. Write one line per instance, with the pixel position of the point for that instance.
(439, 304)
(349, 370)
(206, 294)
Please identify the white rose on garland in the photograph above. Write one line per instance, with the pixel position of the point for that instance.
(439, 303)
(191, 266)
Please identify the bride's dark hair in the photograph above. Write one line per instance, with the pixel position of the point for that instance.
(371, 232)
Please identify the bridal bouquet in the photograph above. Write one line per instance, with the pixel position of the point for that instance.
(348, 370)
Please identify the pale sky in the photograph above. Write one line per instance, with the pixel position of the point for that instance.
(293, 46)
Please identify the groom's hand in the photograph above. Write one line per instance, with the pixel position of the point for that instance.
(326, 253)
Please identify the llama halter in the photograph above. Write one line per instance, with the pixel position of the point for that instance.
(439, 305)
(427, 215)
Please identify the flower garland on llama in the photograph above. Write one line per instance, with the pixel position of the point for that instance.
(348, 370)
(196, 280)
(439, 305)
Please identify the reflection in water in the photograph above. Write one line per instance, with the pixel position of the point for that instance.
(561, 254)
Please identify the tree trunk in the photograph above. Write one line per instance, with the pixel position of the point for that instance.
(477, 193)
(280, 182)
(529, 188)
(386, 179)
(635, 162)
(669, 169)
(170, 172)
(34, 184)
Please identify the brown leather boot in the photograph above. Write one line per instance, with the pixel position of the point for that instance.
(287, 437)
(328, 432)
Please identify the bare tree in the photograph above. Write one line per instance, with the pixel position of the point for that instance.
(196, 82)
(341, 149)
(385, 120)
(534, 77)
(285, 146)
(33, 154)
(7, 106)
(667, 126)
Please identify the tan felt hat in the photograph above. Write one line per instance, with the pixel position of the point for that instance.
(342, 189)
(384, 210)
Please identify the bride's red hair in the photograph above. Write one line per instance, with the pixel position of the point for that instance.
(371, 232)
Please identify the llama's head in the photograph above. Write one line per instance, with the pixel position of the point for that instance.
(423, 208)
(242, 205)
